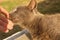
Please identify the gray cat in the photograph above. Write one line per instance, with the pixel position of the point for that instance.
(41, 27)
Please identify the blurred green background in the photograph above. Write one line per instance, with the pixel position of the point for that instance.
(49, 6)
(9, 4)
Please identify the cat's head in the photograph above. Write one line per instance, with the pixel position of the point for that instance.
(23, 14)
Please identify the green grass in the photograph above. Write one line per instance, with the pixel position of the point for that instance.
(10, 4)
(49, 7)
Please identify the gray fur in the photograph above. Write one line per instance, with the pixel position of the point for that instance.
(41, 27)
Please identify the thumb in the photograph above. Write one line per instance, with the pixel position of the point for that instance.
(7, 15)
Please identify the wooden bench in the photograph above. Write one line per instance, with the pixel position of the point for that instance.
(21, 35)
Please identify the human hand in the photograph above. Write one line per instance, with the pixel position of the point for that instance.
(5, 24)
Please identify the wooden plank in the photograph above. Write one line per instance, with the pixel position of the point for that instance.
(22, 35)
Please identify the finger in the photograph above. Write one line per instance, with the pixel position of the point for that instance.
(6, 31)
(3, 19)
(7, 15)
(2, 28)
(3, 24)
(4, 12)
(10, 25)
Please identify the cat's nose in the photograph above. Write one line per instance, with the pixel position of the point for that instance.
(15, 20)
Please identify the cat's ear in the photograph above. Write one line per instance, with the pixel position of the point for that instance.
(32, 5)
